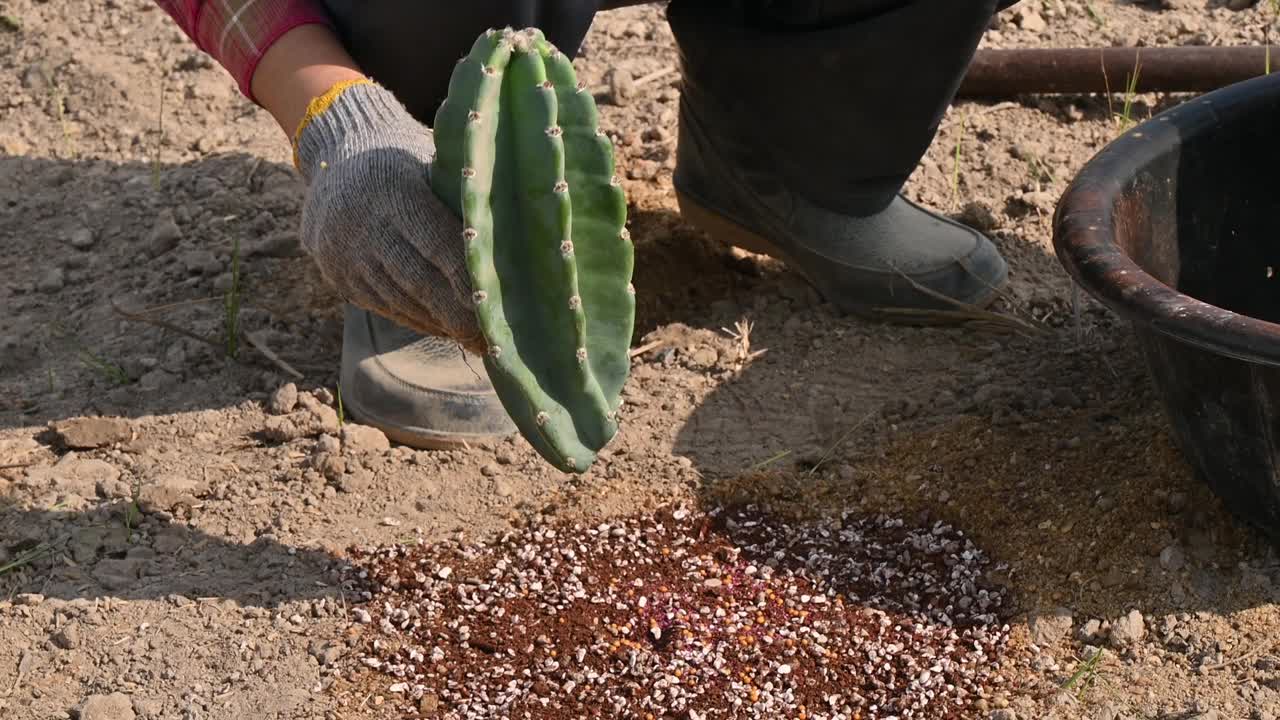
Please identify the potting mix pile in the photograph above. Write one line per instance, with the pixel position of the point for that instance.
(685, 614)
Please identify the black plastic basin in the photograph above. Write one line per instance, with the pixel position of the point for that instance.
(1176, 227)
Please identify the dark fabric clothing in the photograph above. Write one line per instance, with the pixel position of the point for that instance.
(839, 111)
(838, 98)
(410, 46)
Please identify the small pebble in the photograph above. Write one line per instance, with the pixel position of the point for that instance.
(81, 238)
(52, 280)
(1172, 558)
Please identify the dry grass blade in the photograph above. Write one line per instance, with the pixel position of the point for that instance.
(260, 345)
(24, 667)
(826, 456)
(1260, 650)
(1001, 291)
(964, 312)
(137, 316)
(742, 334)
(175, 305)
(257, 342)
(26, 558)
(642, 80)
(656, 75)
(635, 352)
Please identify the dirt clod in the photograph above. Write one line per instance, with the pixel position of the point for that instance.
(91, 432)
(284, 399)
(68, 638)
(1128, 631)
(363, 440)
(1050, 628)
(1030, 20)
(79, 476)
(165, 235)
(116, 706)
(622, 86)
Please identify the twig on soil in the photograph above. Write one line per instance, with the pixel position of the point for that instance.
(955, 169)
(231, 307)
(1001, 107)
(258, 343)
(261, 346)
(640, 81)
(1260, 650)
(964, 310)
(175, 305)
(827, 455)
(24, 667)
(646, 348)
(742, 333)
(655, 75)
(14, 466)
(1002, 292)
(767, 462)
(136, 317)
(253, 170)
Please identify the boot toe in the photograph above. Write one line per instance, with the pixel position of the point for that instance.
(901, 258)
(424, 392)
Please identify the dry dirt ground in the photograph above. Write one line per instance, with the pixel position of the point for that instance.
(186, 558)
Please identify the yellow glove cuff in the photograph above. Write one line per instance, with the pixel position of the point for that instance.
(318, 105)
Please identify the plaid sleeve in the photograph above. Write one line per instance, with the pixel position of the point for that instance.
(237, 33)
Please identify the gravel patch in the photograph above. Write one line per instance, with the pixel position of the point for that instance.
(684, 614)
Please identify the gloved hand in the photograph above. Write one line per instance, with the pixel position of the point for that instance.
(371, 222)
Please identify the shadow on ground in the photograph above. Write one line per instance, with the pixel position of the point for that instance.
(86, 240)
(124, 551)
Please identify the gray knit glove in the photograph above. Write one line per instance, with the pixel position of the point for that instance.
(372, 223)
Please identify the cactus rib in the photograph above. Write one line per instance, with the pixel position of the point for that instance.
(519, 158)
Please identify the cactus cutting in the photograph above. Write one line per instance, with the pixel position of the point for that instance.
(522, 160)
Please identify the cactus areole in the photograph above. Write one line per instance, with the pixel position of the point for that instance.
(521, 159)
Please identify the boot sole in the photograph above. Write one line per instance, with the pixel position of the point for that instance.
(419, 438)
(728, 232)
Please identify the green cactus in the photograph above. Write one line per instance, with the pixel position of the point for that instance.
(521, 159)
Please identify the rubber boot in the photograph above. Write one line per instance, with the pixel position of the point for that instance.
(424, 391)
(801, 122)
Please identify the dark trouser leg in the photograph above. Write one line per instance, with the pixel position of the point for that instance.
(411, 47)
(800, 122)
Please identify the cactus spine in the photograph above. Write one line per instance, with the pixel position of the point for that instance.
(521, 159)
